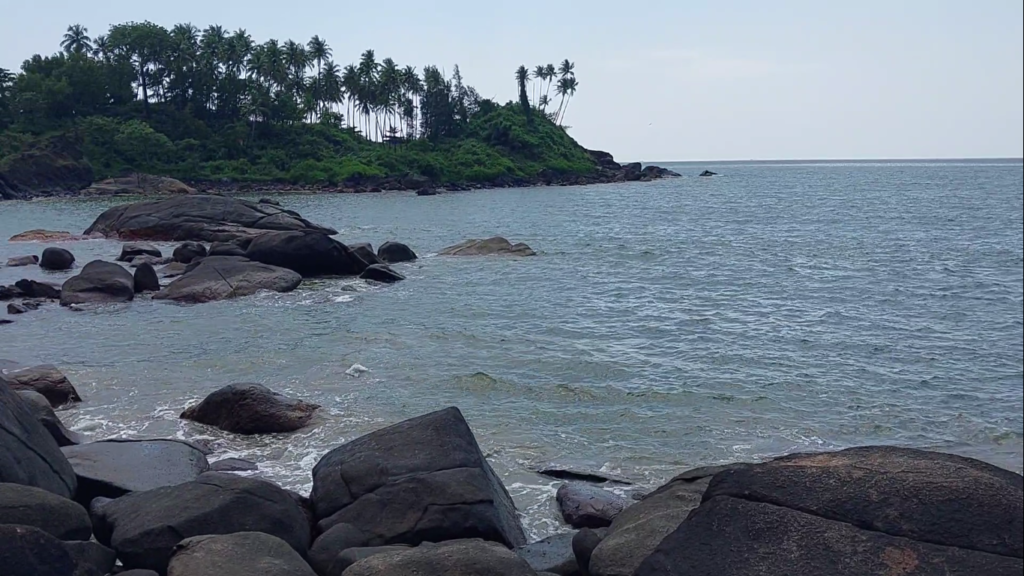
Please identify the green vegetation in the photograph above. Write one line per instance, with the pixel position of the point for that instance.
(212, 105)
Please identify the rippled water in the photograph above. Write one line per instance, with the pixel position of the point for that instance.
(664, 325)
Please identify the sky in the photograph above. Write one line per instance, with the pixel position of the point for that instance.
(669, 80)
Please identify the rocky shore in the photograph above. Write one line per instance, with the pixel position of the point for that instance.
(420, 498)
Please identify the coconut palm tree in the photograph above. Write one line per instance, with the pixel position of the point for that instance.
(567, 89)
(76, 40)
(566, 68)
(522, 76)
(539, 74)
(101, 48)
(350, 85)
(319, 52)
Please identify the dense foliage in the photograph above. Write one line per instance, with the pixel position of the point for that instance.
(210, 105)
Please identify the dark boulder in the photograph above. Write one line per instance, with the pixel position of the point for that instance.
(395, 252)
(223, 277)
(15, 308)
(488, 247)
(188, 252)
(225, 249)
(35, 289)
(99, 282)
(632, 171)
(43, 412)
(251, 409)
(738, 537)
(144, 527)
(456, 558)
(381, 273)
(45, 379)
(206, 218)
(708, 173)
(132, 250)
(353, 555)
(151, 260)
(426, 192)
(553, 554)
(584, 543)
(584, 506)
(91, 558)
(269, 201)
(238, 554)
(308, 253)
(23, 260)
(573, 474)
(145, 279)
(9, 292)
(173, 270)
(28, 454)
(423, 479)
(113, 468)
(325, 555)
(28, 551)
(233, 465)
(30, 506)
(137, 572)
(364, 250)
(652, 172)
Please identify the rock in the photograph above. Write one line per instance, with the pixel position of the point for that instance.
(137, 573)
(30, 506)
(5, 321)
(553, 554)
(206, 218)
(45, 379)
(238, 554)
(308, 253)
(145, 279)
(151, 260)
(223, 277)
(269, 201)
(34, 289)
(353, 555)
(91, 558)
(737, 537)
(583, 544)
(44, 414)
(652, 172)
(57, 259)
(39, 235)
(14, 308)
(563, 473)
(113, 468)
(99, 282)
(415, 182)
(54, 167)
(457, 558)
(418, 480)
(172, 270)
(233, 465)
(708, 173)
(23, 260)
(144, 527)
(138, 185)
(10, 292)
(632, 171)
(28, 454)
(381, 273)
(426, 192)
(395, 252)
(133, 249)
(926, 496)
(364, 250)
(584, 506)
(226, 249)
(28, 551)
(188, 252)
(251, 409)
(327, 549)
(491, 246)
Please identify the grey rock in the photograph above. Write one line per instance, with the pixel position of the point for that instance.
(455, 558)
(91, 558)
(364, 250)
(584, 543)
(28, 454)
(188, 252)
(395, 252)
(308, 253)
(381, 273)
(233, 465)
(23, 260)
(59, 517)
(553, 554)
(43, 412)
(145, 279)
(223, 277)
(45, 379)
(99, 282)
(35, 289)
(496, 246)
(28, 551)
(251, 409)
(584, 506)
(132, 250)
(113, 468)
(56, 259)
(238, 554)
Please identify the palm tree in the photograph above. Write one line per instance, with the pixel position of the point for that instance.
(319, 52)
(567, 89)
(333, 93)
(350, 85)
(368, 86)
(101, 48)
(297, 60)
(76, 40)
(566, 68)
(522, 75)
(539, 74)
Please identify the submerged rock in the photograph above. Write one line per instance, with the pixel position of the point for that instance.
(395, 252)
(489, 247)
(28, 454)
(113, 468)
(238, 554)
(308, 253)
(23, 260)
(99, 282)
(251, 409)
(708, 173)
(381, 273)
(57, 259)
(223, 277)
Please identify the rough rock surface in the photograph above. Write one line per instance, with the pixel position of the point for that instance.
(584, 543)
(145, 279)
(308, 253)
(488, 247)
(30, 506)
(43, 412)
(36, 289)
(28, 454)
(553, 554)
(395, 252)
(23, 260)
(54, 168)
(138, 185)
(456, 558)
(225, 249)
(233, 465)
(381, 273)
(99, 282)
(112, 468)
(45, 379)
(28, 551)
(223, 277)
(325, 554)
(172, 270)
(251, 409)
(204, 218)
(56, 259)
(188, 252)
(584, 506)
(40, 235)
(91, 558)
(238, 554)
(364, 250)
(423, 479)
(132, 250)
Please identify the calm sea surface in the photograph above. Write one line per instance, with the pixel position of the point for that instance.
(777, 307)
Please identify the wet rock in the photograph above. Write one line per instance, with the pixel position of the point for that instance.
(233, 465)
(188, 252)
(44, 414)
(238, 554)
(565, 473)
(708, 173)
(145, 279)
(456, 558)
(30, 506)
(10, 292)
(226, 249)
(35, 289)
(14, 309)
(172, 270)
(584, 506)
(151, 260)
(144, 527)
(423, 479)
(584, 543)
(364, 250)
(113, 468)
(28, 454)
(5, 321)
(381, 273)
(426, 192)
(40, 235)
(28, 551)
(632, 172)
(553, 554)
(223, 277)
(269, 201)
(206, 218)
(137, 572)
(489, 247)
(251, 409)
(395, 252)
(328, 548)
(99, 282)
(57, 259)
(308, 253)
(652, 172)
(23, 260)
(132, 250)
(91, 558)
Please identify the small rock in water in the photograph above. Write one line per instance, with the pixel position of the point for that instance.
(356, 369)
(23, 260)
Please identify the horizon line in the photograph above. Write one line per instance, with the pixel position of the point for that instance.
(892, 159)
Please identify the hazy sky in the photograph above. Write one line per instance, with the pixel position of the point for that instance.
(673, 79)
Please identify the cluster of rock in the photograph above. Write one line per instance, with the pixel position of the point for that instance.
(612, 171)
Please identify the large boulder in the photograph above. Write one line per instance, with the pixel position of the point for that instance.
(584, 543)
(29, 260)
(144, 527)
(28, 551)
(225, 249)
(145, 279)
(132, 250)
(99, 282)
(30, 506)
(457, 558)
(364, 250)
(395, 252)
(238, 554)
(325, 556)
(91, 558)
(381, 273)
(553, 554)
(251, 409)
(308, 253)
(43, 412)
(57, 259)
(45, 379)
(40, 235)
(496, 246)
(423, 479)
(138, 185)
(585, 506)
(28, 454)
(203, 218)
(188, 252)
(36, 289)
(223, 277)
(113, 468)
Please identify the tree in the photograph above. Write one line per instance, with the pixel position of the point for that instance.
(144, 46)
(319, 52)
(76, 40)
(539, 74)
(567, 89)
(522, 77)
